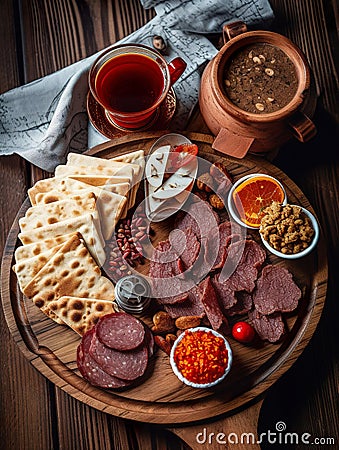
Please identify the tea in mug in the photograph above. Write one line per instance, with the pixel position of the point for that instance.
(129, 83)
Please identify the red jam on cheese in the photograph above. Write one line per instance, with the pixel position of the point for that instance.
(201, 357)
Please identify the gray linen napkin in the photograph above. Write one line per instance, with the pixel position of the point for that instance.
(44, 120)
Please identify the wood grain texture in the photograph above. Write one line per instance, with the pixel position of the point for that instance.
(52, 348)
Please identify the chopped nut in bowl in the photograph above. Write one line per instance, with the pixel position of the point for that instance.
(201, 357)
(288, 231)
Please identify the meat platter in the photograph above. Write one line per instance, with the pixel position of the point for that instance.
(52, 348)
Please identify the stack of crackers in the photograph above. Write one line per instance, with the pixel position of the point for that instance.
(64, 233)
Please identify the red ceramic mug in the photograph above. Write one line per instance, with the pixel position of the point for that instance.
(130, 81)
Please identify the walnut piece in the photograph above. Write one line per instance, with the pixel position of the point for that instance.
(286, 228)
(205, 182)
(216, 201)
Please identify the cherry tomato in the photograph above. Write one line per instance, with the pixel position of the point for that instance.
(243, 332)
(182, 155)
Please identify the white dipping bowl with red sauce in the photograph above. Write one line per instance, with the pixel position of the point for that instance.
(214, 367)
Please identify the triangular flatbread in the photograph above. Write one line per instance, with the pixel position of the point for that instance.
(26, 269)
(81, 314)
(71, 271)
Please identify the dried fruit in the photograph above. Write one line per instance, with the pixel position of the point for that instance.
(159, 43)
(185, 322)
(254, 194)
(205, 182)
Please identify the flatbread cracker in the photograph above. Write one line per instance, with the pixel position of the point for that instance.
(41, 215)
(100, 180)
(84, 224)
(81, 314)
(26, 269)
(37, 248)
(111, 207)
(71, 271)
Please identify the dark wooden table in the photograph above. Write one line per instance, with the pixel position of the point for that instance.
(38, 37)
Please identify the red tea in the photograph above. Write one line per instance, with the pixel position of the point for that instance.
(129, 83)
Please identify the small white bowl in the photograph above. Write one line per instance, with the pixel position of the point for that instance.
(230, 203)
(304, 252)
(179, 374)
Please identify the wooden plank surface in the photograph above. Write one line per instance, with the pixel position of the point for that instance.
(40, 36)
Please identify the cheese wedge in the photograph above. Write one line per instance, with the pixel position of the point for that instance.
(74, 206)
(71, 271)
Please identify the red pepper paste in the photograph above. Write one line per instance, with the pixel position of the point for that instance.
(201, 356)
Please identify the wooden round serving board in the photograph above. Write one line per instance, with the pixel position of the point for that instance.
(162, 398)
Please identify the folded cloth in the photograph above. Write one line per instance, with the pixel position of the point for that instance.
(44, 120)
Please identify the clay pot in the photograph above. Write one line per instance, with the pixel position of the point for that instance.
(237, 131)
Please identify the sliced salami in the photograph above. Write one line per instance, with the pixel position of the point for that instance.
(149, 341)
(243, 304)
(192, 306)
(120, 331)
(269, 328)
(91, 370)
(125, 365)
(200, 217)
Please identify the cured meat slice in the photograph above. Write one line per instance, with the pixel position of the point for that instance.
(120, 331)
(225, 293)
(217, 244)
(243, 305)
(192, 306)
(91, 370)
(244, 258)
(187, 246)
(125, 365)
(174, 300)
(211, 305)
(200, 217)
(269, 328)
(276, 291)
